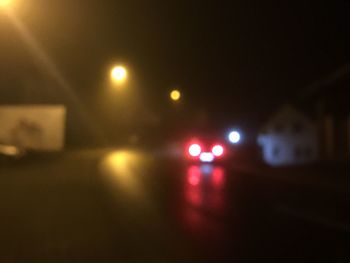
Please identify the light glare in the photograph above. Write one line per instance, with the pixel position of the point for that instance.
(119, 74)
(4, 3)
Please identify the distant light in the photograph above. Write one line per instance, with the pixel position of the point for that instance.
(119, 74)
(194, 150)
(234, 137)
(175, 95)
(218, 150)
(4, 3)
(206, 157)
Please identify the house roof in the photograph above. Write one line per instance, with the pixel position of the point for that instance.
(280, 116)
(328, 94)
(329, 82)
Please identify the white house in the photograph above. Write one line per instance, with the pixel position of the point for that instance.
(288, 138)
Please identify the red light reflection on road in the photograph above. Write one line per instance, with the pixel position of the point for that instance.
(193, 192)
(204, 201)
(194, 175)
(218, 177)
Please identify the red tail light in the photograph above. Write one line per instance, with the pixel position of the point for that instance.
(194, 150)
(218, 150)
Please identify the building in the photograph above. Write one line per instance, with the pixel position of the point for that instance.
(35, 88)
(328, 100)
(288, 138)
(324, 137)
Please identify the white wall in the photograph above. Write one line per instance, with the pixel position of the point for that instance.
(291, 149)
(289, 138)
(34, 127)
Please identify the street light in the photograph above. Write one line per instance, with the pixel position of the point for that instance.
(175, 95)
(119, 75)
(234, 137)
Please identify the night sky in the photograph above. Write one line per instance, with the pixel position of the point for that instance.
(233, 59)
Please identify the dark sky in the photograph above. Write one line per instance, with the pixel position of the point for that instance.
(234, 59)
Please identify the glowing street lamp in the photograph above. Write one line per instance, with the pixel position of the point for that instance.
(119, 75)
(175, 95)
(234, 137)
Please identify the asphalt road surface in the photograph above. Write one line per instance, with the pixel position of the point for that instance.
(131, 206)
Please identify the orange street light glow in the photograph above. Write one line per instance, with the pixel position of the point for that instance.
(175, 95)
(119, 74)
(4, 3)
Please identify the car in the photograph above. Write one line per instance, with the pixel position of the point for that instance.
(205, 150)
(11, 151)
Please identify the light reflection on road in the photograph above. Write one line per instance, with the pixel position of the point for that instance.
(124, 170)
(200, 193)
(204, 203)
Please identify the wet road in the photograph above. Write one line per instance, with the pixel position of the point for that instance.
(130, 206)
